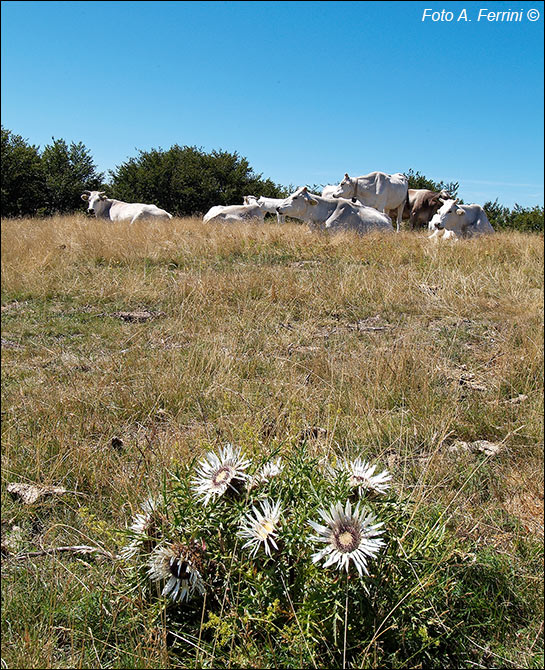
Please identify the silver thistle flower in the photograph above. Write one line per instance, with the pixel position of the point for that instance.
(349, 536)
(266, 473)
(143, 529)
(361, 476)
(176, 565)
(260, 528)
(217, 474)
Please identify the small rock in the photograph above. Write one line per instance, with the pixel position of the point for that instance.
(487, 448)
(13, 541)
(459, 445)
(30, 493)
(136, 317)
(467, 381)
(484, 446)
(516, 401)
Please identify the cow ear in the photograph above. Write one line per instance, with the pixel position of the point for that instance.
(102, 195)
(312, 202)
(85, 197)
(460, 212)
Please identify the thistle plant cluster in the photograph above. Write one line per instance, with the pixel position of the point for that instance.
(274, 522)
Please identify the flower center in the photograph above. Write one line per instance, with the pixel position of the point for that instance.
(179, 569)
(223, 476)
(265, 528)
(346, 538)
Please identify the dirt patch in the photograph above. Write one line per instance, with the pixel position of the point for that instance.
(139, 316)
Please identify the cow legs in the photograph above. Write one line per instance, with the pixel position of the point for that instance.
(400, 215)
(443, 234)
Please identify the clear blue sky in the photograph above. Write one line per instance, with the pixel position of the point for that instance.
(306, 91)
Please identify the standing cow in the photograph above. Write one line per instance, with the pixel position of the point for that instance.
(420, 206)
(376, 189)
(117, 210)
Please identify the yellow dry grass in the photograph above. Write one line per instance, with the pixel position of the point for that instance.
(266, 336)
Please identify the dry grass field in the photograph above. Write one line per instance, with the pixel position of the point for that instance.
(172, 337)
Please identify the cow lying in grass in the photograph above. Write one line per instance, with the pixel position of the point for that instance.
(329, 214)
(117, 210)
(268, 205)
(234, 214)
(453, 220)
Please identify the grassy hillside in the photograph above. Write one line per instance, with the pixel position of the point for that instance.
(176, 338)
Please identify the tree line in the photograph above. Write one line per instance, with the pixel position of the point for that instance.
(184, 180)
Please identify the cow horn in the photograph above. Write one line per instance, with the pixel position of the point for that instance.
(305, 189)
(346, 175)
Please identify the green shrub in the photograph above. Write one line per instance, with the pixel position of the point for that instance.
(248, 581)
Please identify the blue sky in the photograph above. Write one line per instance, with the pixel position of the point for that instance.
(306, 91)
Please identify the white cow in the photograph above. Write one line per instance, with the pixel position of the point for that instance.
(376, 189)
(454, 220)
(332, 214)
(234, 214)
(117, 210)
(268, 205)
(329, 190)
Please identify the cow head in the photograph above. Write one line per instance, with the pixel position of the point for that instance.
(250, 200)
(298, 204)
(93, 198)
(345, 189)
(447, 216)
(434, 201)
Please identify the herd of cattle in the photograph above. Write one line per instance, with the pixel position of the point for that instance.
(367, 203)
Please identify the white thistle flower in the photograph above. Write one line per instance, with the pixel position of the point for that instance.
(260, 528)
(266, 473)
(216, 474)
(349, 536)
(142, 529)
(361, 476)
(176, 565)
